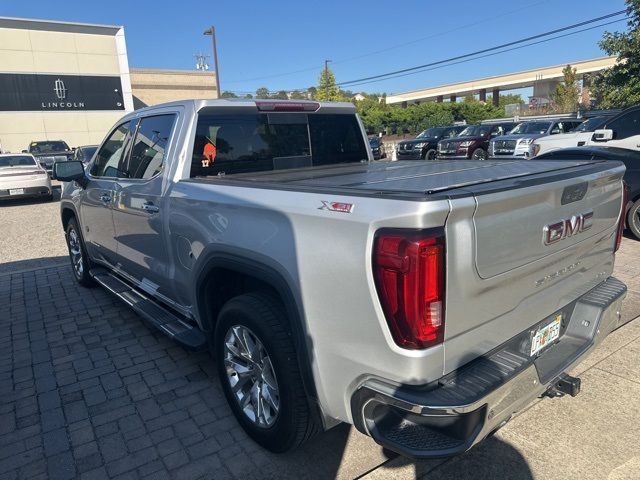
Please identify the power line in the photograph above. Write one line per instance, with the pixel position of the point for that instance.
(394, 47)
(488, 54)
(485, 50)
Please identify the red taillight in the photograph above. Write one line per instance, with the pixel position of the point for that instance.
(409, 268)
(623, 215)
(271, 106)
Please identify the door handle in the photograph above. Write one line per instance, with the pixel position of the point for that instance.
(105, 198)
(150, 207)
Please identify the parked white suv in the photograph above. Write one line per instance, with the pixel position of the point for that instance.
(621, 131)
(575, 138)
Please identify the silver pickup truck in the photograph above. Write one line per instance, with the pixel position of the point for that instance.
(423, 302)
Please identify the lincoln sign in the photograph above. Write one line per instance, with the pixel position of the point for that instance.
(32, 92)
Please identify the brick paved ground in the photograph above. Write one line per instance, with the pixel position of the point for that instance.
(87, 390)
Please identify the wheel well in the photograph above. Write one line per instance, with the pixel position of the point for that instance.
(221, 285)
(67, 214)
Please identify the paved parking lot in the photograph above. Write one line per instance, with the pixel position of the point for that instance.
(88, 390)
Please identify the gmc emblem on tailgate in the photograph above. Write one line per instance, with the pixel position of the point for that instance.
(566, 228)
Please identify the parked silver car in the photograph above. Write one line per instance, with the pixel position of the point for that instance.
(517, 142)
(22, 176)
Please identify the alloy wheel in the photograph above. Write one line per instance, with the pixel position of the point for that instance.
(251, 376)
(75, 251)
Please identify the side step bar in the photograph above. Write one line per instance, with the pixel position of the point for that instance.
(168, 323)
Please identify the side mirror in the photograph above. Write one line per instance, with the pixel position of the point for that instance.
(602, 135)
(555, 131)
(69, 171)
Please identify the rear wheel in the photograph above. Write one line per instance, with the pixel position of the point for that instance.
(77, 254)
(259, 372)
(479, 154)
(431, 154)
(633, 219)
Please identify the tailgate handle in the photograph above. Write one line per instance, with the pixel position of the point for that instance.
(574, 193)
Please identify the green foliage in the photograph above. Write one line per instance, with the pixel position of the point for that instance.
(296, 95)
(379, 117)
(327, 90)
(280, 95)
(228, 94)
(619, 86)
(566, 94)
(262, 92)
(507, 99)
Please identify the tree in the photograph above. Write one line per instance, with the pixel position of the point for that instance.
(228, 94)
(262, 92)
(566, 94)
(313, 92)
(297, 95)
(619, 86)
(248, 95)
(327, 90)
(280, 95)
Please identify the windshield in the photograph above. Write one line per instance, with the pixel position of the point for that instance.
(590, 125)
(531, 127)
(374, 142)
(431, 133)
(48, 147)
(475, 131)
(17, 161)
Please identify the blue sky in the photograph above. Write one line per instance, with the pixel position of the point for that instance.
(258, 39)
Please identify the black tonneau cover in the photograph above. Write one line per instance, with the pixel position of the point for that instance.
(407, 178)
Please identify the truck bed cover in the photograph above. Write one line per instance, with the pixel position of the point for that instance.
(408, 178)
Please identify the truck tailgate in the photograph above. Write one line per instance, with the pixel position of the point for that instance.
(517, 255)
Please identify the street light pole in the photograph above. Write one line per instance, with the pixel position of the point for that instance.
(212, 31)
(326, 79)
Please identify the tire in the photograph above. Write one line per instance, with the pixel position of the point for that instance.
(431, 154)
(259, 316)
(80, 263)
(633, 219)
(479, 154)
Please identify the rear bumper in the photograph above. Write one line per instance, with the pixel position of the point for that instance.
(464, 407)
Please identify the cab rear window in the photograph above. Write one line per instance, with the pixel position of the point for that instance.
(247, 143)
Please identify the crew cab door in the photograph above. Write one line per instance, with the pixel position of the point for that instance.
(96, 207)
(625, 131)
(139, 214)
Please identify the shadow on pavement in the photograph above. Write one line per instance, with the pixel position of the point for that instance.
(33, 264)
(491, 459)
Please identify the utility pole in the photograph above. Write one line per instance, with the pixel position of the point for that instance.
(212, 31)
(326, 78)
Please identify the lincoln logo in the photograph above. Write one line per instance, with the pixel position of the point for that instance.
(60, 89)
(567, 228)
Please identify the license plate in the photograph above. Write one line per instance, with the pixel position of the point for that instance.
(16, 191)
(546, 335)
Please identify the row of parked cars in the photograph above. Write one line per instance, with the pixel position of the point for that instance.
(525, 139)
(28, 174)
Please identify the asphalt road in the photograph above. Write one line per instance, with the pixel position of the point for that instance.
(89, 391)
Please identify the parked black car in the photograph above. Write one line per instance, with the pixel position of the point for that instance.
(47, 152)
(84, 153)
(631, 159)
(425, 145)
(473, 141)
(377, 147)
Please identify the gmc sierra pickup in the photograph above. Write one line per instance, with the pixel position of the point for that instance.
(425, 303)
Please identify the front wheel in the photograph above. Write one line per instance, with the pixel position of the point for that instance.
(79, 260)
(259, 372)
(479, 154)
(633, 219)
(431, 154)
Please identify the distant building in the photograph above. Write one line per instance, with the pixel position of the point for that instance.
(71, 81)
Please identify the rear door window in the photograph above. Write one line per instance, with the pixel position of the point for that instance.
(148, 152)
(246, 143)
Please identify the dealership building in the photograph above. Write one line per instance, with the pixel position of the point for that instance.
(72, 82)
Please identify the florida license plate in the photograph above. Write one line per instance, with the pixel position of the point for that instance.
(546, 335)
(16, 191)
